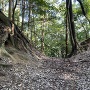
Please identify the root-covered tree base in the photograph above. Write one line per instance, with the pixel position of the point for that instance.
(11, 35)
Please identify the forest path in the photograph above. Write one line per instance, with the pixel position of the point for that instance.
(26, 73)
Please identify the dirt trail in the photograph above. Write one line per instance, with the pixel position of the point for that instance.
(26, 73)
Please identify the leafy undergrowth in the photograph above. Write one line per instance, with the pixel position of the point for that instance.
(21, 71)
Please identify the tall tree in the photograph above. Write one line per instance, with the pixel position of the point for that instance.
(13, 11)
(10, 10)
(66, 34)
(71, 27)
(23, 13)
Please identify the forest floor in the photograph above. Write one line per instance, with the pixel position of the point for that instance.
(21, 71)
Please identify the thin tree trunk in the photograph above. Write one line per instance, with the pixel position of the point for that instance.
(31, 25)
(66, 33)
(34, 29)
(14, 7)
(10, 10)
(42, 41)
(23, 12)
(29, 17)
(42, 35)
(30, 21)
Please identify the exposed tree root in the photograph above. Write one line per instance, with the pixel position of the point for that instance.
(5, 53)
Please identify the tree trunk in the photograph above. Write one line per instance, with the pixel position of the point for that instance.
(34, 30)
(30, 21)
(42, 35)
(10, 10)
(23, 12)
(66, 33)
(71, 27)
(14, 7)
